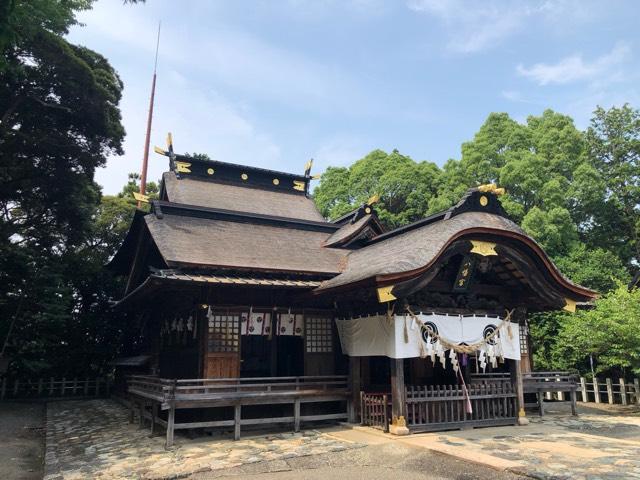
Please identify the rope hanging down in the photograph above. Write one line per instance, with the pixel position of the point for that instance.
(474, 347)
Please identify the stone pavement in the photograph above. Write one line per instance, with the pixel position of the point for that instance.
(93, 439)
(558, 446)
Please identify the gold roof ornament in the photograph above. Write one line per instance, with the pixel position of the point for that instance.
(491, 188)
(569, 305)
(183, 167)
(140, 197)
(385, 295)
(485, 249)
(375, 198)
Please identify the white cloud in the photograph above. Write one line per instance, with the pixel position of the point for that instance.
(477, 26)
(340, 151)
(236, 58)
(574, 68)
(516, 96)
(212, 124)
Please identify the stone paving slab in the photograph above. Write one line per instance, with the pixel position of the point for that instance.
(93, 439)
(555, 447)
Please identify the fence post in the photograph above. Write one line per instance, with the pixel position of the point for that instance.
(596, 389)
(623, 392)
(75, 385)
(97, 387)
(40, 386)
(63, 386)
(609, 390)
(4, 388)
(16, 385)
(86, 386)
(51, 386)
(583, 387)
(636, 387)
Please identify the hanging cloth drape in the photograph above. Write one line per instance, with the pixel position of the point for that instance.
(405, 336)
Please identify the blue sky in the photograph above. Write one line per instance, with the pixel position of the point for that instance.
(273, 83)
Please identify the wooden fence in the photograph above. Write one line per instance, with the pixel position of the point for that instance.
(52, 388)
(610, 391)
(375, 410)
(443, 407)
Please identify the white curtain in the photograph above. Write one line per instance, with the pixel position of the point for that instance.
(402, 336)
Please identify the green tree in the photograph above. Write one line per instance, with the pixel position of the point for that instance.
(613, 141)
(405, 187)
(609, 332)
(59, 120)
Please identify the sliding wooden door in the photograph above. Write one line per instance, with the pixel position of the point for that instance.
(222, 348)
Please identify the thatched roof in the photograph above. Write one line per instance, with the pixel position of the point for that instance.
(364, 228)
(242, 198)
(208, 243)
(414, 248)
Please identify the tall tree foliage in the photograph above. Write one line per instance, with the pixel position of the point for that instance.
(59, 120)
(404, 186)
(613, 142)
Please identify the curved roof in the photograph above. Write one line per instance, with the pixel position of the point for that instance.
(412, 252)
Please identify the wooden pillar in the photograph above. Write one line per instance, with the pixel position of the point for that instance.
(609, 391)
(574, 399)
(636, 387)
(171, 418)
(154, 416)
(522, 417)
(141, 413)
(623, 392)
(355, 386)
(296, 415)
(236, 421)
(398, 398)
(596, 390)
(583, 387)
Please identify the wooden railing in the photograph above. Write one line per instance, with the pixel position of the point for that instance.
(443, 407)
(54, 388)
(620, 391)
(149, 394)
(207, 388)
(375, 410)
(486, 378)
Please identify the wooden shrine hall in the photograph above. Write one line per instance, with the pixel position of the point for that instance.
(254, 309)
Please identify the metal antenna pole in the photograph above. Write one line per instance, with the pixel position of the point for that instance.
(145, 158)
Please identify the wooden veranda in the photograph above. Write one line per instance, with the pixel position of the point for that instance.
(151, 395)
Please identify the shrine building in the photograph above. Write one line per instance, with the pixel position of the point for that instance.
(253, 309)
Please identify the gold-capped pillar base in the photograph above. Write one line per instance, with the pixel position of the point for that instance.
(522, 418)
(398, 426)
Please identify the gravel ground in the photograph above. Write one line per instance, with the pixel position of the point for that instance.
(370, 463)
(21, 440)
